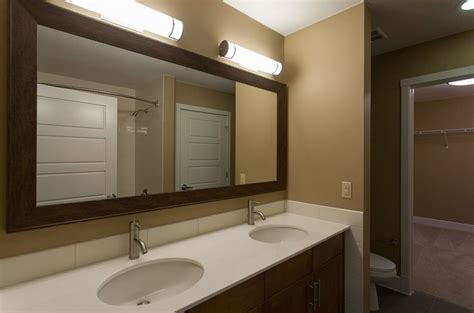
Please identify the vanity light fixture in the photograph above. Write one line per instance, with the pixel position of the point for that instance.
(468, 5)
(135, 16)
(464, 82)
(249, 59)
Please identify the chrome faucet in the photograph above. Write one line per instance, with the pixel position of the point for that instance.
(136, 244)
(252, 212)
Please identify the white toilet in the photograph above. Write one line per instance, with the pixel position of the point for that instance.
(381, 269)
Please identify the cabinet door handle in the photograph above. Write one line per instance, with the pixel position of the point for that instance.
(316, 291)
(318, 284)
(313, 298)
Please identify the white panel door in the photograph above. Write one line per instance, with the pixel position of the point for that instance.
(202, 147)
(76, 146)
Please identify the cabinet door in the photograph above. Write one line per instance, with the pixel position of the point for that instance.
(287, 273)
(329, 287)
(327, 250)
(294, 299)
(247, 297)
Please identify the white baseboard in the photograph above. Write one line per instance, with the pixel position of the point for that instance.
(443, 224)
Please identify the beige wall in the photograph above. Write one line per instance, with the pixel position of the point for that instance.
(256, 134)
(329, 117)
(387, 71)
(169, 119)
(149, 140)
(326, 110)
(444, 178)
(205, 26)
(204, 97)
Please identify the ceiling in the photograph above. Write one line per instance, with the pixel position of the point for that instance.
(289, 16)
(72, 56)
(406, 22)
(442, 91)
(409, 22)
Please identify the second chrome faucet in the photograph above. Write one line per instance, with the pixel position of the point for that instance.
(252, 212)
(136, 244)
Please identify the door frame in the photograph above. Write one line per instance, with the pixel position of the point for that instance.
(407, 161)
(194, 108)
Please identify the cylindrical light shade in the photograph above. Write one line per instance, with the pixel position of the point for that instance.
(133, 15)
(249, 59)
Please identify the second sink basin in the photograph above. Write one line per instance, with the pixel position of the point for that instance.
(278, 233)
(149, 282)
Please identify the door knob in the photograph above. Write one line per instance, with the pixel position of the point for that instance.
(185, 187)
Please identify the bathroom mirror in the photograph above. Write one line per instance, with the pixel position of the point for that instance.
(115, 123)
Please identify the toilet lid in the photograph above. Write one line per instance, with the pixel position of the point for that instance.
(380, 264)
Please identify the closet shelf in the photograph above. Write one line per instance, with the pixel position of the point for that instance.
(444, 131)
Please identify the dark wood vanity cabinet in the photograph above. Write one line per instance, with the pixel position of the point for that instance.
(329, 286)
(312, 281)
(244, 298)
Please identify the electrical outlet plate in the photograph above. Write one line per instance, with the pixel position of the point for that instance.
(243, 179)
(346, 190)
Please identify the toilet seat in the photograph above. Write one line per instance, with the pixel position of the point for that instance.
(379, 264)
(381, 270)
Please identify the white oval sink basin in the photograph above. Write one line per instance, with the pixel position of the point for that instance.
(278, 233)
(150, 282)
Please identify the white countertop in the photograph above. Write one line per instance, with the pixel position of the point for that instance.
(229, 257)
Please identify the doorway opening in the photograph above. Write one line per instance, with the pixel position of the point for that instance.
(434, 136)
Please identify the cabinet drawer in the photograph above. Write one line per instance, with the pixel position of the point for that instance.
(283, 275)
(294, 299)
(327, 250)
(244, 298)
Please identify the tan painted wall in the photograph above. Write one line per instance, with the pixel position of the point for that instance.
(256, 137)
(329, 115)
(387, 71)
(444, 178)
(326, 110)
(169, 116)
(205, 26)
(149, 140)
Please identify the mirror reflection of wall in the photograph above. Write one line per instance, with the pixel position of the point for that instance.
(153, 126)
(256, 139)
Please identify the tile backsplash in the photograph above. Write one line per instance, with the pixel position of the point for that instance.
(30, 266)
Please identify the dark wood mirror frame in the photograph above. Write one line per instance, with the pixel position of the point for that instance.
(22, 213)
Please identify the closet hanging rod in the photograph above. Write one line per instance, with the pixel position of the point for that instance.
(102, 92)
(445, 131)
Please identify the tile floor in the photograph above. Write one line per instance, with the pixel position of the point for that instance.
(443, 264)
(394, 302)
